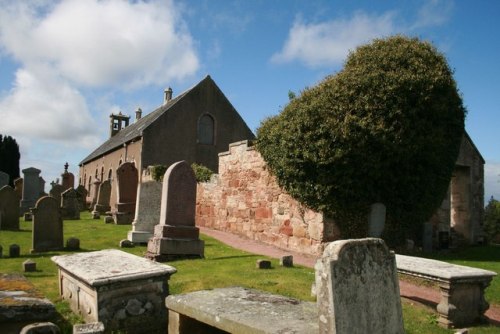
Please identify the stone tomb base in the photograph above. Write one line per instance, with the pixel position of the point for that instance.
(139, 237)
(123, 291)
(180, 242)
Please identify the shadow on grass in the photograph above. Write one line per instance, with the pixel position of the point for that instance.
(232, 257)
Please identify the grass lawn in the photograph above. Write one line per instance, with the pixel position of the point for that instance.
(223, 266)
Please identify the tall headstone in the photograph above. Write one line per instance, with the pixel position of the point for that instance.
(358, 288)
(4, 179)
(47, 225)
(147, 209)
(82, 196)
(127, 179)
(103, 197)
(9, 209)
(176, 235)
(41, 189)
(18, 187)
(31, 188)
(376, 220)
(94, 193)
(70, 204)
(56, 192)
(67, 178)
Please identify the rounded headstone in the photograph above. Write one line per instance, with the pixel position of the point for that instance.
(29, 266)
(125, 243)
(73, 244)
(14, 250)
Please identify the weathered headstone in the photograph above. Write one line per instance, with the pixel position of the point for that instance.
(82, 197)
(263, 264)
(56, 192)
(286, 261)
(41, 189)
(176, 235)
(9, 209)
(73, 244)
(358, 288)
(70, 205)
(29, 265)
(94, 192)
(18, 187)
(67, 178)
(147, 210)
(127, 178)
(103, 197)
(376, 220)
(47, 225)
(31, 188)
(4, 179)
(14, 250)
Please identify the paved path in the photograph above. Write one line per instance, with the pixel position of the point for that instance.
(422, 294)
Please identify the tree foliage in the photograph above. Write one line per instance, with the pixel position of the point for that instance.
(9, 157)
(202, 173)
(387, 128)
(492, 220)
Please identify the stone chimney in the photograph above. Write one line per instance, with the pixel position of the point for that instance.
(138, 114)
(168, 95)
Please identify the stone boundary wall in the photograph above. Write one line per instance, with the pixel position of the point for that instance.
(245, 199)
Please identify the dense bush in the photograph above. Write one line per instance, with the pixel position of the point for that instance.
(157, 172)
(492, 220)
(201, 172)
(387, 128)
(9, 157)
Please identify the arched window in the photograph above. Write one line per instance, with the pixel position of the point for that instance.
(206, 130)
(110, 173)
(102, 173)
(90, 183)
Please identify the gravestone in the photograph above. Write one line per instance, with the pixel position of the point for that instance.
(41, 189)
(70, 205)
(82, 197)
(9, 209)
(18, 187)
(427, 237)
(31, 188)
(47, 225)
(176, 235)
(103, 197)
(126, 187)
(14, 250)
(147, 210)
(4, 179)
(358, 288)
(56, 192)
(94, 193)
(67, 178)
(376, 220)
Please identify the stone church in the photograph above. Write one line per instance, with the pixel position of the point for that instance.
(194, 126)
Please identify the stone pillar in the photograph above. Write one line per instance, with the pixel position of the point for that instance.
(176, 235)
(31, 188)
(358, 288)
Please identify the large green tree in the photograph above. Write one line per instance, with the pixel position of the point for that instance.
(9, 157)
(386, 128)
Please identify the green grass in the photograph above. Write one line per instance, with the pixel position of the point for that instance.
(223, 266)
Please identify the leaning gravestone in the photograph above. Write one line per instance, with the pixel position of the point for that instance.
(147, 210)
(4, 179)
(94, 192)
(70, 205)
(47, 225)
(82, 196)
(31, 188)
(56, 192)
(176, 235)
(9, 209)
(103, 197)
(127, 178)
(358, 288)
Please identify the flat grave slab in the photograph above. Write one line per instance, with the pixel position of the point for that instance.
(240, 310)
(121, 290)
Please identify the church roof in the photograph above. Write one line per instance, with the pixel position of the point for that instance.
(135, 130)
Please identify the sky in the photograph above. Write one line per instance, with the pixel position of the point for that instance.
(66, 65)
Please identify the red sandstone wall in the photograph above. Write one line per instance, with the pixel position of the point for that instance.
(245, 199)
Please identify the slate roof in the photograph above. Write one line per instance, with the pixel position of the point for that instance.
(134, 130)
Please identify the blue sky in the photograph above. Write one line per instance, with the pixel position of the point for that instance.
(66, 65)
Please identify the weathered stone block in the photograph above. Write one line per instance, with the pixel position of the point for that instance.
(14, 250)
(91, 328)
(286, 261)
(73, 244)
(263, 264)
(29, 266)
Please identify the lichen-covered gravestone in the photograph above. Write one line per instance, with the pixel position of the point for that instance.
(47, 225)
(9, 209)
(176, 236)
(56, 192)
(103, 197)
(358, 288)
(82, 196)
(70, 204)
(127, 178)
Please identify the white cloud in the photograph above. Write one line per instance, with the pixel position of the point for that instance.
(491, 180)
(101, 43)
(433, 13)
(328, 43)
(44, 107)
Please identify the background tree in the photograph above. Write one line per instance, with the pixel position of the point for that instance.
(387, 128)
(9, 157)
(492, 220)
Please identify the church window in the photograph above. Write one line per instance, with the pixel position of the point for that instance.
(206, 130)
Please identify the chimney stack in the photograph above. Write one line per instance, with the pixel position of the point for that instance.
(168, 95)
(138, 114)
